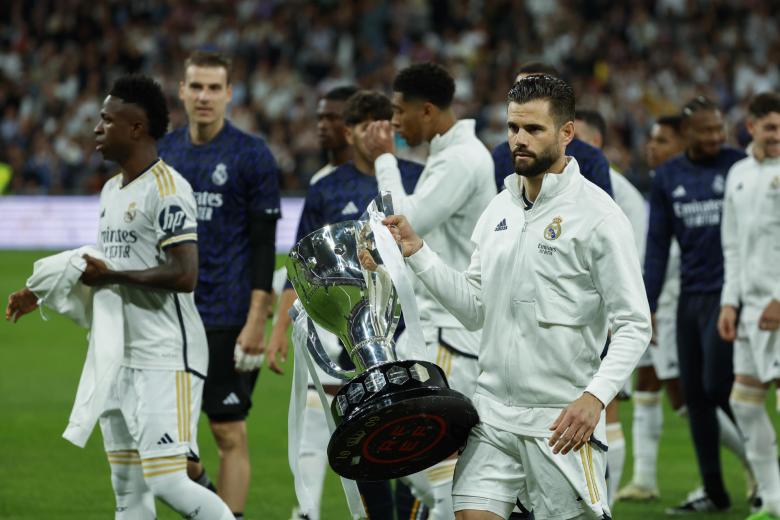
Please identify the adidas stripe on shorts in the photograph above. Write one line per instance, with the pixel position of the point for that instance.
(153, 411)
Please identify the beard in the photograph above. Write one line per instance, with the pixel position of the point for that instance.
(541, 163)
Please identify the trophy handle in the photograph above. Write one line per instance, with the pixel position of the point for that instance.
(322, 358)
(317, 351)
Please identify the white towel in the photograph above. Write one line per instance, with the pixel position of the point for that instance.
(55, 280)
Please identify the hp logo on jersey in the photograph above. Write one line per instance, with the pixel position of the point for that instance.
(172, 219)
(220, 175)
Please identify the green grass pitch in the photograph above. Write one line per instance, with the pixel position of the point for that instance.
(43, 476)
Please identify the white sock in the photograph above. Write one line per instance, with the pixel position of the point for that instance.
(167, 478)
(731, 438)
(646, 434)
(440, 477)
(682, 412)
(313, 457)
(134, 499)
(616, 457)
(761, 443)
(421, 488)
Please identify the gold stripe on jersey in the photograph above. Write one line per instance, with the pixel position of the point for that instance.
(186, 237)
(187, 424)
(415, 507)
(587, 476)
(179, 419)
(170, 177)
(158, 182)
(164, 176)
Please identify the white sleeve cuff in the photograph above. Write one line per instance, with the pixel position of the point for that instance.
(384, 161)
(602, 390)
(422, 260)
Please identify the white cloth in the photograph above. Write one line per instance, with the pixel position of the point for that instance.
(55, 280)
(506, 467)
(757, 352)
(751, 236)
(137, 223)
(634, 207)
(454, 188)
(554, 278)
(153, 412)
(670, 292)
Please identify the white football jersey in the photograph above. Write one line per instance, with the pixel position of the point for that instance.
(154, 211)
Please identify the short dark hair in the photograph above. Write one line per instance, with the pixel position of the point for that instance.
(763, 104)
(365, 105)
(146, 93)
(426, 82)
(594, 119)
(555, 90)
(341, 93)
(538, 67)
(672, 121)
(203, 58)
(697, 104)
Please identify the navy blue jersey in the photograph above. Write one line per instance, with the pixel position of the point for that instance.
(345, 193)
(235, 178)
(594, 165)
(686, 202)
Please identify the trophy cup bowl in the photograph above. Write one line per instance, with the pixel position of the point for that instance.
(394, 417)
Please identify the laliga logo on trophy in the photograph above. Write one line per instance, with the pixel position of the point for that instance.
(394, 417)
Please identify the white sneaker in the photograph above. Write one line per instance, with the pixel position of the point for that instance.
(697, 501)
(634, 492)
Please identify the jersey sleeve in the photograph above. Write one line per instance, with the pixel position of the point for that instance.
(260, 180)
(174, 209)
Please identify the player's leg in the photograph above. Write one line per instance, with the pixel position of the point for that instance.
(646, 433)
(703, 421)
(408, 506)
(616, 456)
(134, 500)
(227, 398)
(755, 353)
(313, 457)
(489, 475)
(158, 408)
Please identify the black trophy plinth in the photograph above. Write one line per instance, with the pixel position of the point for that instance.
(397, 419)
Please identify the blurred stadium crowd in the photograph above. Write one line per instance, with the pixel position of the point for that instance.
(632, 61)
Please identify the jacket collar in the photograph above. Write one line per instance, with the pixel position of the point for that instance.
(552, 184)
(462, 129)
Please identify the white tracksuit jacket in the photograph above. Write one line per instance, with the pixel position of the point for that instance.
(750, 234)
(453, 190)
(545, 284)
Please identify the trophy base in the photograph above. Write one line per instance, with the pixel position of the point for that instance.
(407, 421)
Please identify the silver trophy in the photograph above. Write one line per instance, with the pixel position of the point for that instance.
(394, 417)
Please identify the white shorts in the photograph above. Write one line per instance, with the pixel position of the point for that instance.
(497, 468)
(663, 356)
(757, 352)
(154, 412)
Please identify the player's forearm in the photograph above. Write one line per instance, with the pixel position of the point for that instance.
(259, 307)
(166, 277)
(283, 319)
(458, 292)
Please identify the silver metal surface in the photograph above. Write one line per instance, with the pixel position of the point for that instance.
(343, 285)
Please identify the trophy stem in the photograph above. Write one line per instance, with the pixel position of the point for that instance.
(372, 352)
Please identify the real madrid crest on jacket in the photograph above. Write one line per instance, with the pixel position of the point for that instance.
(235, 178)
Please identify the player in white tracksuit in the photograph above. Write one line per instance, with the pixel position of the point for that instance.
(751, 245)
(554, 266)
(452, 191)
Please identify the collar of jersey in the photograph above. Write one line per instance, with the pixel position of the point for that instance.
(552, 184)
(462, 128)
(147, 170)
